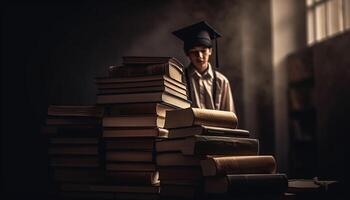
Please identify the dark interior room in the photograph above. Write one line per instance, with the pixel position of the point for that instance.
(287, 62)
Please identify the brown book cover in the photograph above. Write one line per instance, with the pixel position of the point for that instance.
(206, 130)
(129, 156)
(176, 159)
(145, 69)
(221, 166)
(179, 191)
(154, 189)
(155, 108)
(247, 183)
(196, 116)
(139, 81)
(130, 144)
(134, 121)
(134, 132)
(312, 186)
(144, 98)
(180, 173)
(209, 145)
(135, 60)
(128, 84)
(132, 177)
(167, 87)
(130, 166)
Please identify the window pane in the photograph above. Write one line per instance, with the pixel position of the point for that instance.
(346, 13)
(310, 26)
(320, 22)
(332, 17)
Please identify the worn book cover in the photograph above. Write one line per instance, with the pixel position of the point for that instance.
(196, 116)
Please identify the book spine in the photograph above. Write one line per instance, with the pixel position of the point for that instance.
(216, 118)
(229, 146)
(259, 183)
(221, 166)
(130, 71)
(144, 178)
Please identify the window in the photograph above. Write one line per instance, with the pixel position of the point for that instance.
(326, 18)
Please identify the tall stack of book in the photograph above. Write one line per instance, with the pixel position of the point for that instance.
(205, 155)
(74, 147)
(136, 97)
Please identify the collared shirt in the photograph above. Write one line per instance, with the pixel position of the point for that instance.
(202, 90)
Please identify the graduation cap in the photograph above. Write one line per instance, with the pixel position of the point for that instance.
(199, 34)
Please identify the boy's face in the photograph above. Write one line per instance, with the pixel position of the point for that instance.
(199, 57)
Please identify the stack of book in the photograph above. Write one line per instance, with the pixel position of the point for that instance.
(205, 156)
(74, 147)
(144, 79)
(136, 97)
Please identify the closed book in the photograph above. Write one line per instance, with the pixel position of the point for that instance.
(136, 60)
(134, 121)
(143, 98)
(130, 144)
(154, 189)
(209, 145)
(134, 132)
(176, 159)
(144, 69)
(129, 156)
(155, 108)
(247, 183)
(179, 191)
(221, 166)
(196, 116)
(313, 187)
(132, 177)
(169, 89)
(129, 84)
(188, 182)
(139, 81)
(180, 173)
(206, 130)
(130, 166)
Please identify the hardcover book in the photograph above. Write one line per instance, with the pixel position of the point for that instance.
(221, 166)
(209, 145)
(247, 184)
(196, 116)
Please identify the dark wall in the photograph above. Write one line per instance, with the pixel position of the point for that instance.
(51, 53)
(332, 100)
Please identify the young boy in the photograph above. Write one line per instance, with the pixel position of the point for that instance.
(207, 87)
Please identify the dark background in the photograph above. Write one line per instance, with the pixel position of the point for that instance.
(51, 53)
